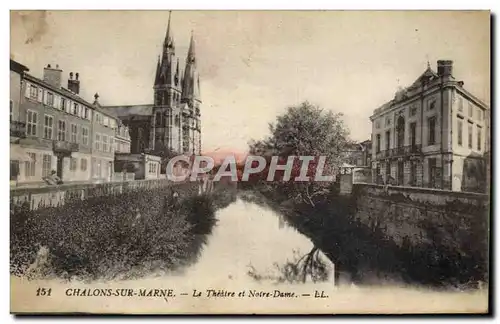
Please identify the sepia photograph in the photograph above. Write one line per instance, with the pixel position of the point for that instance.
(270, 162)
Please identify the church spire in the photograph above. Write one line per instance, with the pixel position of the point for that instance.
(191, 57)
(169, 40)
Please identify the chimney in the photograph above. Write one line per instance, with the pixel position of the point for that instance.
(445, 68)
(74, 84)
(52, 75)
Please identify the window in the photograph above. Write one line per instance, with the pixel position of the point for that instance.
(104, 143)
(413, 111)
(460, 130)
(97, 118)
(48, 126)
(11, 110)
(479, 138)
(377, 124)
(46, 165)
(14, 169)
(72, 164)
(75, 109)
(469, 128)
(29, 166)
(50, 99)
(460, 104)
(85, 136)
(61, 130)
(105, 121)
(83, 164)
(34, 92)
(377, 147)
(158, 119)
(387, 121)
(432, 173)
(31, 122)
(432, 104)
(86, 113)
(432, 130)
(470, 109)
(111, 144)
(413, 134)
(387, 140)
(74, 132)
(63, 103)
(94, 167)
(98, 142)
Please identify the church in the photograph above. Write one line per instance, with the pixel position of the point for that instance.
(172, 122)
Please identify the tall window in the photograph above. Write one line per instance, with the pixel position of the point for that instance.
(413, 173)
(432, 130)
(479, 139)
(63, 103)
(86, 113)
(46, 165)
(34, 92)
(75, 109)
(31, 122)
(470, 135)
(74, 133)
(104, 143)
(432, 172)
(460, 131)
(29, 166)
(111, 144)
(50, 99)
(83, 164)
(97, 142)
(48, 127)
(85, 136)
(61, 130)
(387, 140)
(72, 164)
(413, 134)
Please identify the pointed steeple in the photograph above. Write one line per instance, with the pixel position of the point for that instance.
(169, 40)
(191, 56)
(158, 72)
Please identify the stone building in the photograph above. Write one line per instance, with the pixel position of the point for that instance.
(61, 131)
(173, 121)
(432, 134)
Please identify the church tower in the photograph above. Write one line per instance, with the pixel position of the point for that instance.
(175, 123)
(167, 94)
(191, 102)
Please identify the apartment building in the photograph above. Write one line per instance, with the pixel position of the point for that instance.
(432, 134)
(63, 132)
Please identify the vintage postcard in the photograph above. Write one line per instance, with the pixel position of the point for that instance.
(250, 162)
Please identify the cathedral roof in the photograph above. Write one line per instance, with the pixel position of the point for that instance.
(128, 110)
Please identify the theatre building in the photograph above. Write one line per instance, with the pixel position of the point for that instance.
(432, 134)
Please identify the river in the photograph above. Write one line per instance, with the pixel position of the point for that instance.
(246, 234)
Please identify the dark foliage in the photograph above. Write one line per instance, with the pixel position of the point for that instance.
(107, 237)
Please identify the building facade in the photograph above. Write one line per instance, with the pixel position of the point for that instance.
(173, 121)
(433, 134)
(62, 131)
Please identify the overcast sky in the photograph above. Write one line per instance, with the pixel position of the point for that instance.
(254, 64)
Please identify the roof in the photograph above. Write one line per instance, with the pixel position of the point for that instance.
(121, 111)
(18, 67)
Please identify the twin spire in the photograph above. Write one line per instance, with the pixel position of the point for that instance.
(165, 73)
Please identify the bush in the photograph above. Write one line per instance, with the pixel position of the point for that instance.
(126, 234)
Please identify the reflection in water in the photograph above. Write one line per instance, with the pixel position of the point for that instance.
(252, 242)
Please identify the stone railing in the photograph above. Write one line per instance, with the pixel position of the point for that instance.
(53, 196)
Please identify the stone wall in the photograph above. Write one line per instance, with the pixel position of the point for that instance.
(53, 196)
(422, 215)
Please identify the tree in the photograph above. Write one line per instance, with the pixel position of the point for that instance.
(165, 153)
(303, 130)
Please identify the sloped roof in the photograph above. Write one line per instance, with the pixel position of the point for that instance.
(427, 76)
(139, 110)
